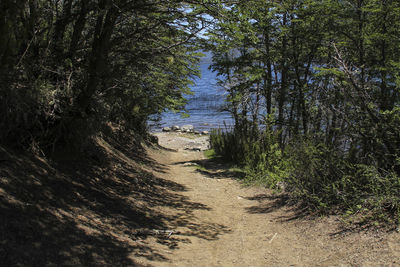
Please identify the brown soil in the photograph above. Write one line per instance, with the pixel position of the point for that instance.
(117, 209)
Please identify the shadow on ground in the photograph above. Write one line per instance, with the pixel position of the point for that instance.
(271, 202)
(86, 211)
(214, 169)
(266, 203)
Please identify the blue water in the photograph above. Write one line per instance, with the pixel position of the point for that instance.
(204, 106)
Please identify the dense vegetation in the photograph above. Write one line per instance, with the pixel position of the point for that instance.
(314, 90)
(69, 67)
(313, 86)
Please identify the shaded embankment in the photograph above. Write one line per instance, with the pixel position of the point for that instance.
(87, 211)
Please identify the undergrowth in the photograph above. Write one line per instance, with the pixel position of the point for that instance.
(210, 153)
(323, 178)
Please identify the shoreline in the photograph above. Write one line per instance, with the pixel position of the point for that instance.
(182, 141)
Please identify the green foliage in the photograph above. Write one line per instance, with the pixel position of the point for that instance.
(325, 74)
(326, 180)
(317, 174)
(210, 153)
(69, 67)
(260, 156)
(313, 86)
(267, 168)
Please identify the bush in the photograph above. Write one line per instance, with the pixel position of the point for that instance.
(259, 155)
(322, 177)
(316, 174)
(265, 163)
(229, 145)
(328, 180)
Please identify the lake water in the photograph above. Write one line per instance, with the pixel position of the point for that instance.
(204, 106)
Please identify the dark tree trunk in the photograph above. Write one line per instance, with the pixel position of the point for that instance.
(283, 88)
(78, 29)
(98, 58)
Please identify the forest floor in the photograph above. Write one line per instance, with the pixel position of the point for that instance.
(169, 207)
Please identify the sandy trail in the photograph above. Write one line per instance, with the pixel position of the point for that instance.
(231, 225)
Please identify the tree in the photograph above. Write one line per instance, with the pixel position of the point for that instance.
(70, 66)
(329, 73)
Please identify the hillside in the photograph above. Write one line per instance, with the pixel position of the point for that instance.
(124, 206)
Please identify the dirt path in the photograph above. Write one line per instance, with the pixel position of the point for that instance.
(231, 225)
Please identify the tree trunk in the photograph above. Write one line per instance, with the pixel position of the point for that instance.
(78, 29)
(98, 58)
(283, 88)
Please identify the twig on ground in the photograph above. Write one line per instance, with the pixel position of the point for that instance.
(155, 232)
(272, 239)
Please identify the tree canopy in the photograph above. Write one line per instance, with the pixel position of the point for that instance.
(70, 66)
(315, 85)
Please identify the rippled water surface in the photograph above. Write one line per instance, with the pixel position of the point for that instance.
(204, 107)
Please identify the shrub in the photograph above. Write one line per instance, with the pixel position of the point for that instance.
(328, 180)
(259, 154)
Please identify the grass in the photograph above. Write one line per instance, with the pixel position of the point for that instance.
(210, 154)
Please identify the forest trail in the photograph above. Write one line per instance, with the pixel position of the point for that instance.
(227, 224)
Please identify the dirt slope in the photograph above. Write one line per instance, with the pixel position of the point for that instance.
(236, 226)
(118, 205)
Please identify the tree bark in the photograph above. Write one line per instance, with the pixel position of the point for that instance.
(98, 58)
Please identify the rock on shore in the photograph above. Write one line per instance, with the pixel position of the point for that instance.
(188, 128)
